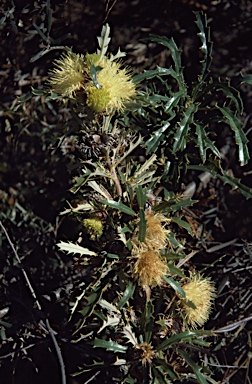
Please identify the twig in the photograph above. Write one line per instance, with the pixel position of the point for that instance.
(58, 351)
(232, 326)
(23, 271)
(50, 330)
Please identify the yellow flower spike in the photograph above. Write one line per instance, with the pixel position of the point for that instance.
(69, 74)
(148, 268)
(200, 293)
(116, 82)
(92, 58)
(98, 99)
(94, 227)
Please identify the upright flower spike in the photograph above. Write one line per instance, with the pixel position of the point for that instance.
(116, 87)
(200, 293)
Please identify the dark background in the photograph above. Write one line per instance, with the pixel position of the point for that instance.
(35, 176)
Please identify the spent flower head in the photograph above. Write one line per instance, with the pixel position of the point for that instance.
(200, 293)
(148, 268)
(155, 230)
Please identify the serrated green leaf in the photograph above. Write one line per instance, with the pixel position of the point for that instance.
(141, 196)
(240, 137)
(5, 324)
(246, 79)
(183, 224)
(180, 135)
(150, 74)
(153, 142)
(183, 336)
(169, 43)
(172, 238)
(205, 143)
(127, 294)
(175, 285)
(109, 345)
(174, 270)
(175, 54)
(232, 94)
(206, 47)
(119, 206)
(159, 376)
(112, 256)
(3, 334)
(173, 101)
(167, 206)
(236, 184)
(169, 369)
(24, 98)
(37, 92)
(75, 248)
(195, 367)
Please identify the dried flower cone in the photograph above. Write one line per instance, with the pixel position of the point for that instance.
(200, 293)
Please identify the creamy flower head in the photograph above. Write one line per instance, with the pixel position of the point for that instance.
(200, 293)
(68, 76)
(148, 268)
(115, 87)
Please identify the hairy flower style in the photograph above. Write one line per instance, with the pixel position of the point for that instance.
(116, 90)
(200, 293)
(68, 76)
(155, 231)
(148, 268)
(94, 227)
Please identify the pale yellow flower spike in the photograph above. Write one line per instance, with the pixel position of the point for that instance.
(117, 86)
(68, 76)
(201, 292)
